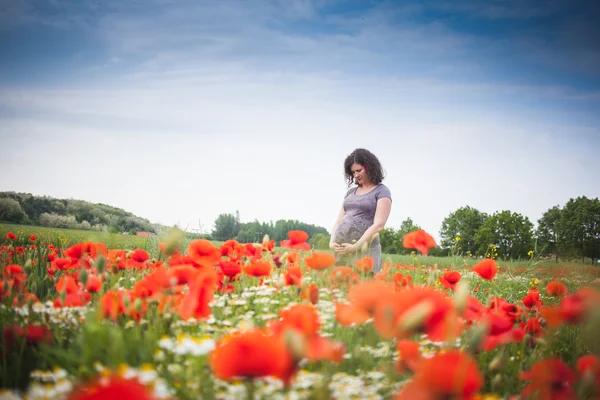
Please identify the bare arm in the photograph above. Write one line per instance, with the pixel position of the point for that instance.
(382, 212)
(335, 225)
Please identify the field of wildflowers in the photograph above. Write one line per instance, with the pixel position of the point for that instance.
(190, 320)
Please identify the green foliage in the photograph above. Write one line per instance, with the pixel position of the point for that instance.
(254, 232)
(387, 238)
(281, 228)
(391, 239)
(226, 227)
(579, 225)
(64, 238)
(511, 234)
(464, 224)
(572, 231)
(548, 233)
(70, 213)
(320, 241)
(133, 346)
(11, 211)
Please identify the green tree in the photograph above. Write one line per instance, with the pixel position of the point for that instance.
(87, 215)
(387, 238)
(11, 211)
(405, 227)
(282, 227)
(320, 241)
(35, 206)
(247, 235)
(463, 223)
(580, 225)
(510, 232)
(226, 227)
(391, 239)
(549, 233)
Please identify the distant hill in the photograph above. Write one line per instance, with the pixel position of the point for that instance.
(25, 208)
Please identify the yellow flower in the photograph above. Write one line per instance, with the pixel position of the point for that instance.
(530, 253)
(487, 396)
(457, 238)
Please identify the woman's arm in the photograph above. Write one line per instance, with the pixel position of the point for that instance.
(382, 212)
(335, 225)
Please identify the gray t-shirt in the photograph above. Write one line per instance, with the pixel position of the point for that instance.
(360, 213)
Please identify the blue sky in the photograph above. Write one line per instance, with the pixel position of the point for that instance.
(494, 104)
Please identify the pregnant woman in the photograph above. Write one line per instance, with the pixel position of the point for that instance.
(364, 211)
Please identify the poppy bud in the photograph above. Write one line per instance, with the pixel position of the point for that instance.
(137, 304)
(114, 269)
(83, 276)
(413, 318)
(364, 247)
(375, 236)
(126, 301)
(461, 294)
(479, 332)
(497, 363)
(172, 242)
(100, 264)
(281, 281)
(588, 380)
(432, 278)
(296, 343)
(496, 382)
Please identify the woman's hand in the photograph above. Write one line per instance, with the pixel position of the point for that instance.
(346, 248)
(334, 246)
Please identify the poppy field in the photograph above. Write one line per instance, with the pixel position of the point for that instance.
(199, 320)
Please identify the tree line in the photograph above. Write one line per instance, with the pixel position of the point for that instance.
(25, 208)
(571, 231)
(568, 232)
(227, 226)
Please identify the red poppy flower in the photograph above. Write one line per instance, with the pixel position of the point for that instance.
(419, 240)
(486, 269)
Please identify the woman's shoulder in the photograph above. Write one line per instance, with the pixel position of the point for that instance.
(383, 187)
(350, 191)
(383, 191)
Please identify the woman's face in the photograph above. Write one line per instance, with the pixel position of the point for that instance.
(359, 172)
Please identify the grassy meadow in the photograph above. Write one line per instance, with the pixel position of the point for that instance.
(89, 314)
(69, 237)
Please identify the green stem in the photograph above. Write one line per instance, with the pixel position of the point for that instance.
(20, 362)
(250, 388)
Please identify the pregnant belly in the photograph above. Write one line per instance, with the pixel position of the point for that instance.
(349, 229)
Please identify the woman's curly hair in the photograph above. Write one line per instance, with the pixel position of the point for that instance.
(364, 157)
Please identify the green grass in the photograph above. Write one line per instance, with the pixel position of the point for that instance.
(69, 237)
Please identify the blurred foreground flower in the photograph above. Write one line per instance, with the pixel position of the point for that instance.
(420, 240)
